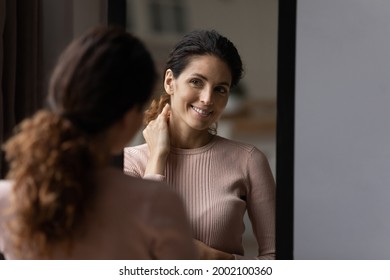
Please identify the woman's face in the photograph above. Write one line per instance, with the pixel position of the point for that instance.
(200, 93)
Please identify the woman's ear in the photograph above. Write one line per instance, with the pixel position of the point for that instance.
(168, 82)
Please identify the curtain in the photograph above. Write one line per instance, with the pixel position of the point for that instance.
(20, 65)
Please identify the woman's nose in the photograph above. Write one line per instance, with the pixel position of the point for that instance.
(206, 97)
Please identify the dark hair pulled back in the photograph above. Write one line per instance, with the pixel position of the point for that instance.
(101, 76)
(54, 155)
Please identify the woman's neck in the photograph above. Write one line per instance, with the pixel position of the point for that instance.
(193, 140)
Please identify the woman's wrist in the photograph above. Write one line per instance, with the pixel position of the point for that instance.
(156, 164)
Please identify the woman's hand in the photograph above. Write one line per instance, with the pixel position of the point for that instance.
(207, 253)
(156, 135)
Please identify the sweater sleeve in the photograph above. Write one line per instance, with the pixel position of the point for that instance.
(134, 163)
(261, 204)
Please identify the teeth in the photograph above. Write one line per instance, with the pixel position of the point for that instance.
(200, 111)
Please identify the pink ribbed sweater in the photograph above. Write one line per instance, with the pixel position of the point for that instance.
(218, 183)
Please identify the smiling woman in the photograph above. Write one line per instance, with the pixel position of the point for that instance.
(219, 179)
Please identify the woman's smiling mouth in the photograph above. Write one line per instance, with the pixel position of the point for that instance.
(201, 112)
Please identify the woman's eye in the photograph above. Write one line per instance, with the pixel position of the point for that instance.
(221, 90)
(196, 82)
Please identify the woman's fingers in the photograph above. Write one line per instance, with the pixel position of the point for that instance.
(156, 134)
(165, 111)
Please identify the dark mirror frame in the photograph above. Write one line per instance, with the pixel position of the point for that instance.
(116, 15)
(285, 130)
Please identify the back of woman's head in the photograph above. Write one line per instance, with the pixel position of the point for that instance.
(54, 154)
(205, 42)
(99, 77)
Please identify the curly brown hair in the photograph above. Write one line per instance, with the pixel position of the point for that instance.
(49, 184)
(54, 155)
(155, 108)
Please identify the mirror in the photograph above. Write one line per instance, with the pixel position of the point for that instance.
(250, 115)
